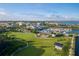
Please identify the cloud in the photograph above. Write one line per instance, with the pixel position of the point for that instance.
(33, 16)
(28, 16)
(3, 13)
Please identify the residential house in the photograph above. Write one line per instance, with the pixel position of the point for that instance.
(58, 46)
(44, 33)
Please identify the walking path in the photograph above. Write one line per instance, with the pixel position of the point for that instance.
(71, 50)
(19, 49)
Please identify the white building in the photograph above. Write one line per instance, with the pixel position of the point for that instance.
(30, 27)
(53, 35)
(19, 23)
(58, 46)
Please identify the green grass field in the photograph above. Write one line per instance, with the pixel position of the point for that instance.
(41, 46)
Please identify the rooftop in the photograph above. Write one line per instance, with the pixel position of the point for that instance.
(58, 44)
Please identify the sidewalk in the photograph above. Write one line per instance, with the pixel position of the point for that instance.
(71, 50)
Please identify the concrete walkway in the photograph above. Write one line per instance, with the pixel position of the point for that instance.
(71, 50)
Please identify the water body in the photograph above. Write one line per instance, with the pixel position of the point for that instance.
(77, 47)
(76, 42)
(74, 31)
(69, 22)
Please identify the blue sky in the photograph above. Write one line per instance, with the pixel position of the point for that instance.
(43, 11)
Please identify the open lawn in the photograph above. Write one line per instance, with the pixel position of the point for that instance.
(41, 46)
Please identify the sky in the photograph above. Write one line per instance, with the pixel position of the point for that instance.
(39, 11)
